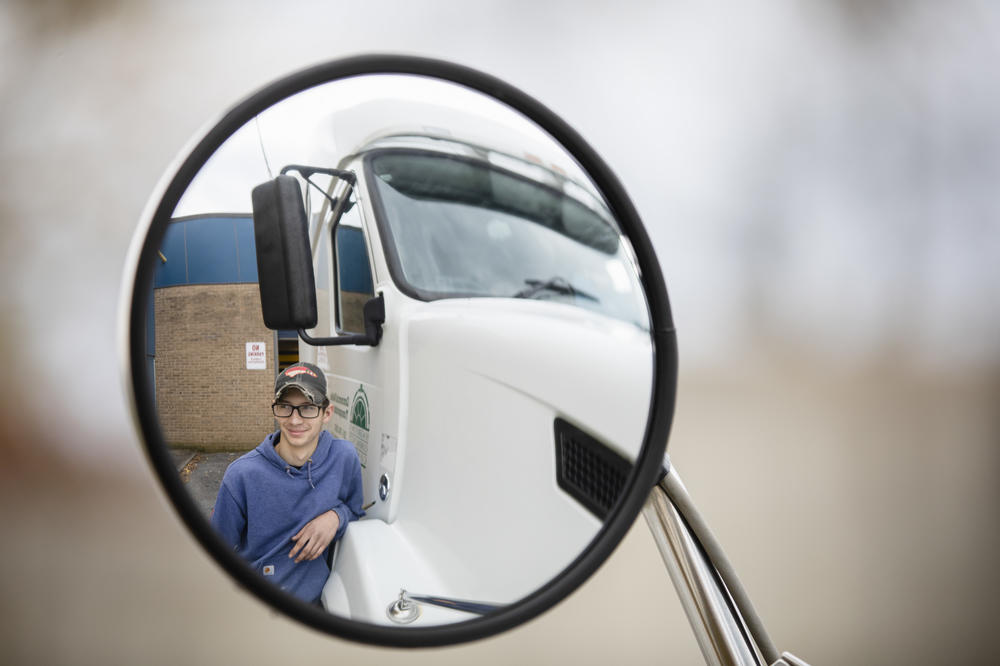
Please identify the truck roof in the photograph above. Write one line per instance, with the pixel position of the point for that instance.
(494, 132)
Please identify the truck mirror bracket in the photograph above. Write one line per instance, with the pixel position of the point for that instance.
(374, 314)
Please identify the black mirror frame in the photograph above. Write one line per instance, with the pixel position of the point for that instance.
(137, 290)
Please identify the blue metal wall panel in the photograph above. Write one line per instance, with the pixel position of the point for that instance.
(352, 255)
(174, 270)
(211, 251)
(208, 250)
(246, 248)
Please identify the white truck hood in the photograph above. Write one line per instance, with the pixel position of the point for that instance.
(591, 370)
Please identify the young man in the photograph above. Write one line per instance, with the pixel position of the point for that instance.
(283, 504)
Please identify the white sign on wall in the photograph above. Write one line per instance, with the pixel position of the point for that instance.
(256, 356)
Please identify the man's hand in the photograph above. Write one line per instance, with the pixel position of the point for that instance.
(315, 536)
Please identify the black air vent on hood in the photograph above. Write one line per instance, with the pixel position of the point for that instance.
(589, 471)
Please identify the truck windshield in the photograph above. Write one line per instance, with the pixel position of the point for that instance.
(462, 227)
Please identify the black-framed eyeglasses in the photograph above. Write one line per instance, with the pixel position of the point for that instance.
(283, 410)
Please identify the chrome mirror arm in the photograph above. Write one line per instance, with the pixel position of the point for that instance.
(727, 628)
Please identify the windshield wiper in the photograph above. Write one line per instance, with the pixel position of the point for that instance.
(557, 284)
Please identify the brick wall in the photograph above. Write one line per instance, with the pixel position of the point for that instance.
(204, 394)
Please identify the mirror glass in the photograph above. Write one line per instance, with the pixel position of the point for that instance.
(495, 421)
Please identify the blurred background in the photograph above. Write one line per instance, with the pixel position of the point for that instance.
(820, 183)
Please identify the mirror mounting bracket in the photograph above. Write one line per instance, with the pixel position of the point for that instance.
(307, 171)
(374, 315)
(347, 176)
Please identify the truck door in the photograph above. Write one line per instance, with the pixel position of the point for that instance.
(354, 373)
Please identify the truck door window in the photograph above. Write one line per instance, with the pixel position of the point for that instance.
(354, 276)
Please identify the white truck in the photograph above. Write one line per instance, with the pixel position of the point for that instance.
(469, 288)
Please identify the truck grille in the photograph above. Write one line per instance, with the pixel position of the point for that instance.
(587, 470)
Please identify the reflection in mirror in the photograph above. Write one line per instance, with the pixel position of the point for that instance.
(495, 419)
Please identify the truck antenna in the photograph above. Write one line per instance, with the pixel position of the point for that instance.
(260, 138)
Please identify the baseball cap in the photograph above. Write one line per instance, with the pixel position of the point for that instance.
(306, 377)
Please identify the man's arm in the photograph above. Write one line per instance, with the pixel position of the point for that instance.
(228, 518)
(324, 529)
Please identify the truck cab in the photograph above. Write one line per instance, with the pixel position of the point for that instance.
(512, 307)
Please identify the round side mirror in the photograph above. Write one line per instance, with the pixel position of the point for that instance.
(488, 313)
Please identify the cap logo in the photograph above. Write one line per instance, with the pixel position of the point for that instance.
(298, 370)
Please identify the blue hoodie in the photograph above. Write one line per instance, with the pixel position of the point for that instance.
(263, 501)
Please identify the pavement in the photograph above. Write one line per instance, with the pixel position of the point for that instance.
(202, 474)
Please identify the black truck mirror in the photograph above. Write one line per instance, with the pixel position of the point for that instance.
(513, 292)
(514, 418)
(284, 260)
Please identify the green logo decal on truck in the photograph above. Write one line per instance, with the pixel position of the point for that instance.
(360, 424)
(359, 409)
